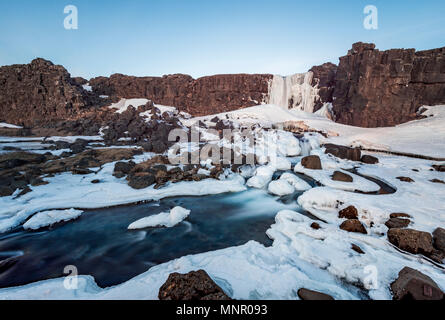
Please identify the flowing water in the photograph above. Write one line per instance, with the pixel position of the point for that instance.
(99, 244)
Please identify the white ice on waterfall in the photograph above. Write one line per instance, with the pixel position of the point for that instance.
(293, 92)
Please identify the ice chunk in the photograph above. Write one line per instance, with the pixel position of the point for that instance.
(48, 218)
(163, 219)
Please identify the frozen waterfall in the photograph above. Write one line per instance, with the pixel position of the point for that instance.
(295, 91)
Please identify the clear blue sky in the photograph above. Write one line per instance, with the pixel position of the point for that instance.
(196, 37)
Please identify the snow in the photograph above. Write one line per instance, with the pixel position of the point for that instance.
(300, 256)
(163, 219)
(123, 104)
(421, 137)
(280, 188)
(11, 126)
(87, 87)
(49, 218)
(298, 183)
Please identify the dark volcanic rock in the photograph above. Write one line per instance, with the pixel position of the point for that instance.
(343, 152)
(439, 239)
(195, 285)
(324, 79)
(203, 96)
(124, 167)
(40, 92)
(369, 159)
(306, 294)
(141, 180)
(399, 215)
(353, 225)
(413, 241)
(397, 223)
(405, 179)
(348, 213)
(315, 226)
(340, 176)
(383, 88)
(440, 168)
(357, 249)
(414, 285)
(311, 162)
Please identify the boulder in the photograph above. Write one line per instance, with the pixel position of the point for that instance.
(369, 159)
(141, 180)
(357, 249)
(340, 176)
(438, 181)
(315, 226)
(348, 213)
(414, 285)
(343, 152)
(311, 162)
(123, 167)
(397, 223)
(413, 241)
(399, 215)
(353, 225)
(440, 168)
(195, 285)
(405, 179)
(439, 239)
(306, 294)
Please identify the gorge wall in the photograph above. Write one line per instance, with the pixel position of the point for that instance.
(384, 88)
(369, 88)
(40, 91)
(202, 96)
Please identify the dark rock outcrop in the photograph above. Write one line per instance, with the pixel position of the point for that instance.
(340, 176)
(195, 285)
(439, 239)
(311, 295)
(202, 96)
(324, 79)
(397, 223)
(353, 225)
(414, 285)
(311, 162)
(384, 88)
(343, 152)
(413, 241)
(348, 213)
(40, 92)
(369, 159)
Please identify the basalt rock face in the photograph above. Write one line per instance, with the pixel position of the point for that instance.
(203, 96)
(384, 88)
(40, 92)
(324, 79)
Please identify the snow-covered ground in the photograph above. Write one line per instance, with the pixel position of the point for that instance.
(300, 256)
(421, 137)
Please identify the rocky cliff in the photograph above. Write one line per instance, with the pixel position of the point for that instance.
(202, 96)
(40, 92)
(384, 88)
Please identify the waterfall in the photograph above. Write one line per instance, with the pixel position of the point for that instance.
(293, 92)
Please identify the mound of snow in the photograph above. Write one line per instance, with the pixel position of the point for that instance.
(262, 177)
(280, 188)
(49, 218)
(298, 183)
(164, 219)
(123, 104)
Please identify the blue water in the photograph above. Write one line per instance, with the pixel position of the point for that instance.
(100, 245)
